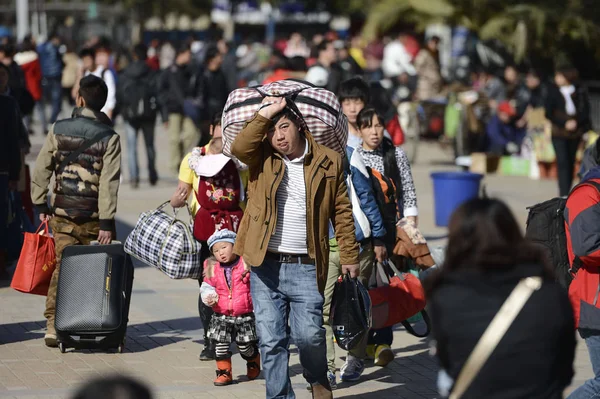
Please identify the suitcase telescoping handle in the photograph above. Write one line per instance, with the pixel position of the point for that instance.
(96, 242)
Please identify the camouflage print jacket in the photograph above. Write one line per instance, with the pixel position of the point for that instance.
(86, 190)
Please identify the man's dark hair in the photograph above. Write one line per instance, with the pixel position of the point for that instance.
(140, 51)
(54, 35)
(289, 114)
(184, 48)
(103, 45)
(87, 52)
(8, 49)
(113, 387)
(94, 92)
(354, 88)
(569, 72)
(211, 53)
(216, 118)
(27, 44)
(323, 46)
(297, 64)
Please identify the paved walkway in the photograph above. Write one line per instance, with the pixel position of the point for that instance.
(164, 335)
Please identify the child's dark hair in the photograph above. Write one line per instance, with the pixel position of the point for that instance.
(354, 88)
(94, 92)
(390, 166)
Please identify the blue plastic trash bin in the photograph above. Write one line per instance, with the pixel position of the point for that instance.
(450, 190)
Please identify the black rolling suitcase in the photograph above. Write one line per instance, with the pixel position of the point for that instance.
(93, 297)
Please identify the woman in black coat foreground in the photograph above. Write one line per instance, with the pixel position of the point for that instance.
(487, 256)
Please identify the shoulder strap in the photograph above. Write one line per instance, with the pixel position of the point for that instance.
(86, 144)
(412, 331)
(494, 333)
(592, 183)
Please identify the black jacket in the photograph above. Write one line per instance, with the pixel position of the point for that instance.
(533, 360)
(556, 111)
(138, 73)
(538, 96)
(10, 125)
(215, 93)
(178, 84)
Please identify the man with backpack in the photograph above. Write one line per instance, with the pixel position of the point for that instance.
(582, 216)
(180, 96)
(83, 153)
(215, 90)
(137, 93)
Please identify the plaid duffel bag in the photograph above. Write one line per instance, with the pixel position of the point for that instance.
(166, 243)
(319, 108)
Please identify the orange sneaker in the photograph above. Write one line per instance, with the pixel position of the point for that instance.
(223, 373)
(253, 367)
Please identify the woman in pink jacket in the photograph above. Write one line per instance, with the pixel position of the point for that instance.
(226, 288)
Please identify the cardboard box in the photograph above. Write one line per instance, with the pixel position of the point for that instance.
(484, 163)
(515, 166)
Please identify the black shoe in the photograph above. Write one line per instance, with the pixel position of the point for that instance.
(207, 354)
(153, 180)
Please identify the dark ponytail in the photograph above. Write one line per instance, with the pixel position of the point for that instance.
(390, 169)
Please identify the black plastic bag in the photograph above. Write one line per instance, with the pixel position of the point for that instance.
(350, 315)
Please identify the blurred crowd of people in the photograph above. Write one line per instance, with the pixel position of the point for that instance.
(187, 84)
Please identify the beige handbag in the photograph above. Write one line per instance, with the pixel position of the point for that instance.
(494, 333)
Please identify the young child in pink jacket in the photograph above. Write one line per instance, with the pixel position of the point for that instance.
(226, 288)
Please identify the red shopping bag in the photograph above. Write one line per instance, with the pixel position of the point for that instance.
(396, 297)
(36, 263)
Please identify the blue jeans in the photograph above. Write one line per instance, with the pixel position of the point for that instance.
(591, 388)
(52, 90)
(147, 129)
(282, 291)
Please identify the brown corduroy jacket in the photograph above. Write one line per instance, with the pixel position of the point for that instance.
(326, 199)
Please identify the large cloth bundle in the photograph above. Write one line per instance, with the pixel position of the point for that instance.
(165, 242)
(320, 109)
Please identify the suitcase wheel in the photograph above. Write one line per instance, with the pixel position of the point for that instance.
(121, 347)
(61, 347)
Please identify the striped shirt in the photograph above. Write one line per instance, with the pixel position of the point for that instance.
(290, 232)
